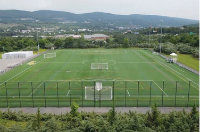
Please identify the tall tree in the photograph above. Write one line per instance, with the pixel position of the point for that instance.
(125, 43)
(58, 43)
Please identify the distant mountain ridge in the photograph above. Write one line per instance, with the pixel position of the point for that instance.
(96, 17)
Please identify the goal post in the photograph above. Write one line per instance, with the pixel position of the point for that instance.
(99, 66)
(98, 92)
(50, 55)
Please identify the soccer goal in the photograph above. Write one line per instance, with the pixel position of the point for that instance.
(99, 66)
(50, 55)
(98, 92)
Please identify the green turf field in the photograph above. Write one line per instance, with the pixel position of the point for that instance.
(135, 77)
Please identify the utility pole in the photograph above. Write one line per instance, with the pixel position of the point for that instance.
(161, 21)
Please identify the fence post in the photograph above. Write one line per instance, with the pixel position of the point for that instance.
(138, 92)
(69, 95)
(175, 93)
(113, 94)
(32, 93)
(150, 94)
(94, 93)
(44, 95)
(99, 98)
(188, 94)
(82, 91)
(125, 92)
(58, 96)
(162, 93)
(19, 94)
(6, 94)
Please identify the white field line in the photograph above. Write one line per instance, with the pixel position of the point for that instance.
(125, 51)
(61, 62)
(137, 62)
(183, 96)
(160, 88)
(36, 89)
(173, 70)
(139, 85)
(68, 93)
(21, 72)
(176, 67)
(128, 93)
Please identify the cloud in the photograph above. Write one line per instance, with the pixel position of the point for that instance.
(44, 4)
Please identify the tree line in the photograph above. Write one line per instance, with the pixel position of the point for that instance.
(171, 30)
(112, 121)
(183, 43)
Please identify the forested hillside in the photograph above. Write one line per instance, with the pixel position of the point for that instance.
(95, 17)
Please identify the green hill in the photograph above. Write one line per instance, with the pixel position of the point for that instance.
(95, 17)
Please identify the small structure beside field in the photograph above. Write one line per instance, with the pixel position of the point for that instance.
(19, 54)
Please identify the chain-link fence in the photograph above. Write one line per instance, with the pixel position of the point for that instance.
(86, 94)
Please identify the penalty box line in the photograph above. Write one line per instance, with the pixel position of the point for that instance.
(68, 93)
(36, 89)
(160, 88)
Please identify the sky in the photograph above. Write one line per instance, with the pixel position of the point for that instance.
(174, 8)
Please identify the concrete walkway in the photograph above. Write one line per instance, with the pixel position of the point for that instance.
(57, 111)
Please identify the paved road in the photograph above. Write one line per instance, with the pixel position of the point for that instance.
(57, 111)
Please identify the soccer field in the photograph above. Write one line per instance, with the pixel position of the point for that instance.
(129, 77)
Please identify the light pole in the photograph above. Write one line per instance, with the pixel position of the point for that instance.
(149, 33)
(161, 35)
(38, 42)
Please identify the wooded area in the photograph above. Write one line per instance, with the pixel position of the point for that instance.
(183, 43)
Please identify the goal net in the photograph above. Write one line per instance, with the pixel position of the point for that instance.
(99, 65)
(50, 55)
(98, 92)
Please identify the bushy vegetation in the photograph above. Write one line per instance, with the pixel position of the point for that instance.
(169, 48)
(152, 121)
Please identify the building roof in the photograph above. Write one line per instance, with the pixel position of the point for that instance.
(19, 52)
(173, 54)
(95, 36)
(88, 36)
(100, 35)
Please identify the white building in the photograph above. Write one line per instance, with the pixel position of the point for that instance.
(14, 55)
